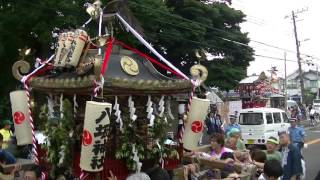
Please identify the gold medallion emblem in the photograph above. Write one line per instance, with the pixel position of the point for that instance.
(129, 65)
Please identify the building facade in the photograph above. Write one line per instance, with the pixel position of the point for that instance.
(310, 80)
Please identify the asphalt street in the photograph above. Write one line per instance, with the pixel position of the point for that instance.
(312, 152)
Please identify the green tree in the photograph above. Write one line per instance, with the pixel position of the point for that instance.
(30, 24)
(181, 27)
(309, 96)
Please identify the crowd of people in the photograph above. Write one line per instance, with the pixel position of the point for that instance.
(282, 158)
(31, 172)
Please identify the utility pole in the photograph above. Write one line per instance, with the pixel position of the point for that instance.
(317, 81)
(285, 81)
(298, 56)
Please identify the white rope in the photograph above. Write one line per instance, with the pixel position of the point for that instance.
(24, 78)
(145, 43)
(100, 28)
(87, 22)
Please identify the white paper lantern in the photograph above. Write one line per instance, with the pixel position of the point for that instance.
(21, 117)
(94, 137)
(181, 108)
(66, 48)
(58, 62)
(79, 41)
(195, 124)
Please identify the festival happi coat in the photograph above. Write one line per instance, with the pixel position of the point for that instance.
(102, 105)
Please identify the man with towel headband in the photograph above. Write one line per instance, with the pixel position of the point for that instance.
(272, 152)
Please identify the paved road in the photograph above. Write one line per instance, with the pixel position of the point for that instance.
(312, 152)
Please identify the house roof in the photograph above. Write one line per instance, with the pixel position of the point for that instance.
(295, 75)
(213, 97)
(249, 80)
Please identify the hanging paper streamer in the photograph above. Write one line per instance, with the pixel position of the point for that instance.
(161, 106)
(117, 112)
(50, 106)
(62, 154)
(21, 116)
(168, 107)
(150, 110)
(136, 158)
(161, 160)
(194, 126)
(94, 137)
(132, 109)
(61, 105)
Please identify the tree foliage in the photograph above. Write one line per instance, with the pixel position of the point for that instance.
(177, 28)
(181, 27)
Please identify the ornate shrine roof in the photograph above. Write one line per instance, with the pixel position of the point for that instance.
(126, 73)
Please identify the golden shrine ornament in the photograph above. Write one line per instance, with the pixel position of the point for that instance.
(129, 65)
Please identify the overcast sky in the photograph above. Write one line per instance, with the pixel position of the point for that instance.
(266, 23)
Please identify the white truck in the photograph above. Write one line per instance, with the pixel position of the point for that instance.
(258, 124)
(316, 105)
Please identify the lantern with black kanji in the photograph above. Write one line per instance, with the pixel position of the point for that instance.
(94, 137)
(79, 39)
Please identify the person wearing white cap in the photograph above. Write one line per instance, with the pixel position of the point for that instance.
(233, 124)
(271, 152)
(297, 134)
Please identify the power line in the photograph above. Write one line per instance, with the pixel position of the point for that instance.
(221, 30)
(203, 25)
(170, 36)
(275, 58)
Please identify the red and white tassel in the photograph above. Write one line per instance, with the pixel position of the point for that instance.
(98, 86)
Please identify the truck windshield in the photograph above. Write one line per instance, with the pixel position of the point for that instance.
(251, 119)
